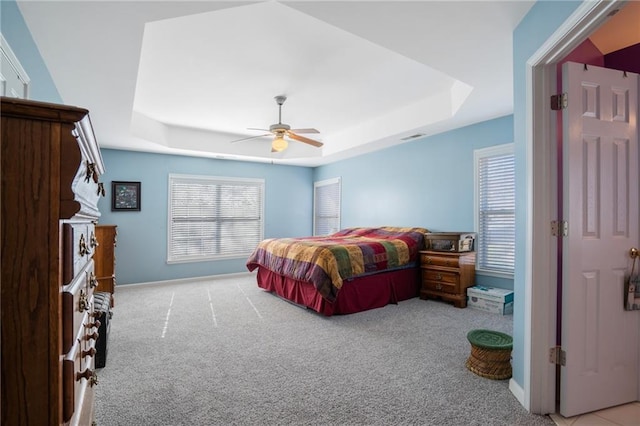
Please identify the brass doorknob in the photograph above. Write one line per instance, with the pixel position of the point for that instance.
(633, 252)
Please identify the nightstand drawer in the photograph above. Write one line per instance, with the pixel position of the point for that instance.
(428, 260)
(441, 287)
(448, 278)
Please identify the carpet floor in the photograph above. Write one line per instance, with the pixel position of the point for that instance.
(224, 352)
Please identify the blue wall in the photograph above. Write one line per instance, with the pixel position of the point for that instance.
(15, 31)
(426, 182)
(535, 28)
(141, 251)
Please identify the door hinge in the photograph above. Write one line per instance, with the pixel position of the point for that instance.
(559, 228)
(557, 356)
(559, 101)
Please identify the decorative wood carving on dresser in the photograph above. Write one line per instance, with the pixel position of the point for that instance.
(105, 258)
(51, 164)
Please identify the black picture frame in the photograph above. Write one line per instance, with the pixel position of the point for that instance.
(125, 196)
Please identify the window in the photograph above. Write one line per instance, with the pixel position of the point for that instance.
(495, 209)
(214, 217)
(326, 206)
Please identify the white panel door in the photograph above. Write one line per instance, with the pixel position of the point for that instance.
(601, 204)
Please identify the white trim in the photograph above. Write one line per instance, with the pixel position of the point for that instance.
(6, 50)
(540, 315)
(517, 391)
(185, 280)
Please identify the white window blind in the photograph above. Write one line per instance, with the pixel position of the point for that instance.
(495, 209)
(326, 206)
(214, 217)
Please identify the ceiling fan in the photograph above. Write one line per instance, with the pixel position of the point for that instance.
(280, 130)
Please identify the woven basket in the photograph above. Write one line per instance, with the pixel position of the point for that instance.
(490, 354)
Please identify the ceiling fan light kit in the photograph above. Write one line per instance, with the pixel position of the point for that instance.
(280, 130)
(279, 144)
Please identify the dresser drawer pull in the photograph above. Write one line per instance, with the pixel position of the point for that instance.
(428, 261)
(89, 375)
(438, 286)
(91, 171)
(94, 241)
(92, 336)
(95, 324)
(93, 281)
(439, 277)
(83, 303)
(91, 352)
(83, 250)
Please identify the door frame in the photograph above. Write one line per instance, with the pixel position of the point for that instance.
(540, 316)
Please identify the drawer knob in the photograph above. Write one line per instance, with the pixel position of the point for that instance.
(439, 277)
(90, 352)
(89, 375)
(94, 240)
(93, 281)
(95, 324)
(91, 172)
(101, 189)
(86, 374)
(82, 249)
(92, 336)
(83, 303)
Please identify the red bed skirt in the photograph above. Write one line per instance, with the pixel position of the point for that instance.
(356, 295)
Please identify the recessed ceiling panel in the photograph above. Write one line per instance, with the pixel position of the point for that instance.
(221, 70)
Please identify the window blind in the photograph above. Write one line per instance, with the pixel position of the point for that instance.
(212, 217)
(326, 206)
(495, 176)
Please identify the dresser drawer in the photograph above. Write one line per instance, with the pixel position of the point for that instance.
(429, 259)
(79, 245)
(77, 300)
(78, 378)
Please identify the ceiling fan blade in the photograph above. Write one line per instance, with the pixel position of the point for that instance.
(304, 131)
(254, 128)
(304, 139)
(251, 137)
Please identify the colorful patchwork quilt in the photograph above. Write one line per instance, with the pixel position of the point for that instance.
(327, 261)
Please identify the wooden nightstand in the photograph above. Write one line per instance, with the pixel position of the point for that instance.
(446, 275)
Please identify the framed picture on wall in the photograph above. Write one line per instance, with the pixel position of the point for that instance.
(125, 196)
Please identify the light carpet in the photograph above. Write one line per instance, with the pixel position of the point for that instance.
(225, 352)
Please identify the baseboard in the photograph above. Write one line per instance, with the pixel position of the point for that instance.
(187, 280)
(518, 392)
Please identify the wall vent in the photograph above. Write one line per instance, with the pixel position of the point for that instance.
(417, 135)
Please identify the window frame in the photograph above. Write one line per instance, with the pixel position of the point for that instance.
(479, 154)
(248, 182)
(332, 181)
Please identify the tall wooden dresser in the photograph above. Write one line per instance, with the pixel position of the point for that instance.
(51, 164)
(105, 258)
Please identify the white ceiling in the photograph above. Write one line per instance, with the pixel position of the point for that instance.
(191, 77)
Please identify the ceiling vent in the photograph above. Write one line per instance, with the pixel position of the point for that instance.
(417, 135)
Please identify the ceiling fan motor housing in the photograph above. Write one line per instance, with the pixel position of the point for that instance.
(275, 128)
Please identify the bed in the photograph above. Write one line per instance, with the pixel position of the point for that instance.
(352, 270)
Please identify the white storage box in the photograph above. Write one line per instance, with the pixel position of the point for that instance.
(490, 299)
